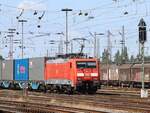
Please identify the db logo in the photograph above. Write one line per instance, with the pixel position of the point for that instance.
(22, 69)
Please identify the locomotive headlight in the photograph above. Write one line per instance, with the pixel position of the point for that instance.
(80, 74)
(94, 74)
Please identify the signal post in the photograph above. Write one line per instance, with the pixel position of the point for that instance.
(142, 40)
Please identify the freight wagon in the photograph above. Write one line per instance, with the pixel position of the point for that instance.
(109, 75)
(126, 75)
(53, 74)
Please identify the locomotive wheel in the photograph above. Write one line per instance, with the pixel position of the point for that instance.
(60, 90)
(42, 88)
(70, 91)
(92, 91)
(50, 88)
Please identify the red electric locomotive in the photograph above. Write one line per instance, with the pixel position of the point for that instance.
(72, 74)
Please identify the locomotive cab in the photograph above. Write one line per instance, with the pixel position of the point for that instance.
(87, 75)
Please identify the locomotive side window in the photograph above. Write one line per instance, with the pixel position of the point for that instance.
(82, 64)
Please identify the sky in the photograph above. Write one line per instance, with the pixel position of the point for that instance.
(88, 17)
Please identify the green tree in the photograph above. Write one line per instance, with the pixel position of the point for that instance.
(124, 56)
(147, 58)
(117, 58)
(104, 56)
(1, 57)
(132, 58)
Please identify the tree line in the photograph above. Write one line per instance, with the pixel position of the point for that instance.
(121, 57)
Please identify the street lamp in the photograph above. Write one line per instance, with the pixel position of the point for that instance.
(66, 10)
(22, 46)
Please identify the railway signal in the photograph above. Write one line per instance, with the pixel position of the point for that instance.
(142, 31)
(142, 40)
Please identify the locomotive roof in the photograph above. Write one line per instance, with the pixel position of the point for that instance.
(61, 60)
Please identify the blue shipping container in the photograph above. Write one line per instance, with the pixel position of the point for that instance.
(21, 69)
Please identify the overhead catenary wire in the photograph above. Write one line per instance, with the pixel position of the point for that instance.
(105, 12)
(97, 19)
(113, 20)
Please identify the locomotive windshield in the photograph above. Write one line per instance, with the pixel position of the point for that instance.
(86, 64)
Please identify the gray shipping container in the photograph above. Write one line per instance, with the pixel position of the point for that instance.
(7, 70)
(36, 68)
(0, 69)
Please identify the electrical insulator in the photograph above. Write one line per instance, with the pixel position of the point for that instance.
(86, 14)
(38, 26)
(80, 13)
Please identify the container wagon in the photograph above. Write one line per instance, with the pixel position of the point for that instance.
(36, 73)
(7, 73)
(20, 73)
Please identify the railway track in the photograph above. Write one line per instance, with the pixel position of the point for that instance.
(120, 91)
(127, 104)
(81, 103)
(32, 107)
